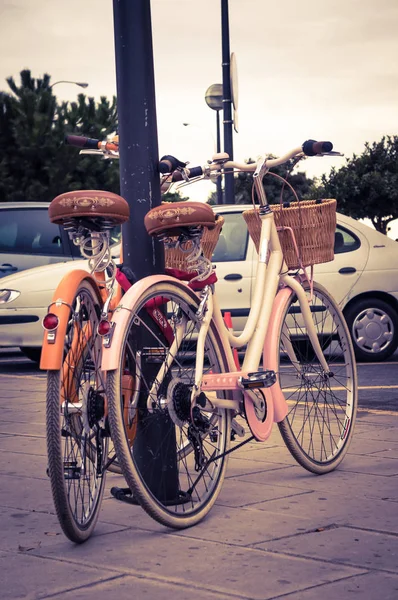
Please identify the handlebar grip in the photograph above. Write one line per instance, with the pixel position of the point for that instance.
(169, 163)
(312, 148)
(194, 172)
(82, 142)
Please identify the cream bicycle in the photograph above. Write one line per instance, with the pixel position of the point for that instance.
(189, 401)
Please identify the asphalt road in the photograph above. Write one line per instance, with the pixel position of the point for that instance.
(378, 382)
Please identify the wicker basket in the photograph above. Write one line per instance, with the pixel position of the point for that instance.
(176, 259)
(313, 223)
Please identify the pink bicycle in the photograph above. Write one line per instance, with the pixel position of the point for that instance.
(188, 400)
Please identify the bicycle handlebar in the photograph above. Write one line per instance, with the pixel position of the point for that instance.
(179, 171)
(309, 148)
(91, 143)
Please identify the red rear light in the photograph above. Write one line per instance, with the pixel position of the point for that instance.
(50, 322)
(104, 327)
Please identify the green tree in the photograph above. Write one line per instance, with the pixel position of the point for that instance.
(274, 188)
(367, 186)
(174, 197)
(35, 163)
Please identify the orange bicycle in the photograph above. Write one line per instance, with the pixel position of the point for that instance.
(78, 439)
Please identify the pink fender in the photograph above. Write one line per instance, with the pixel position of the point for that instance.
(111, 356)
(270, 356)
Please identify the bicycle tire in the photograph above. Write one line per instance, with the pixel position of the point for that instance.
(77, 442)
(321, 407)
(169, 489)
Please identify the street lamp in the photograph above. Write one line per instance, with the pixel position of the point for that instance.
(79, 83)
(214, 99)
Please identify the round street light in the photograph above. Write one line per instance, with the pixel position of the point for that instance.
(79, 83)
(214, 96)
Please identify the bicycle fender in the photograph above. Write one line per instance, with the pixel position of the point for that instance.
(111, 356)
(270, 356)
(52, 354)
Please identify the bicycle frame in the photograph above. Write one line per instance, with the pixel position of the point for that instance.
(273, 283)
(259, 334)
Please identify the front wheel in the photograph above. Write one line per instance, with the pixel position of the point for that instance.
(175, 461)
(321, 406)
(77, 440)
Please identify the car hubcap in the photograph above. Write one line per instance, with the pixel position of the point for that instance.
(373, 330)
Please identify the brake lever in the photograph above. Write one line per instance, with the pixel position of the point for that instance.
(109, 154)
(184, 183)
(331, 153)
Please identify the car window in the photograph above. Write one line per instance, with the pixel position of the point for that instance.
(232, 243)
(345, 241)
(29, 232)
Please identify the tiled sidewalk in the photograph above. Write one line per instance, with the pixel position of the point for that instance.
(275, 532)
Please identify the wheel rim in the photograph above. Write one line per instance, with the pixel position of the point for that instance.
(320, 405)
(83, 445)
(373, 330)
(180, 467)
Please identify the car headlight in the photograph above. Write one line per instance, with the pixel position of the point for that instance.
(8, 296)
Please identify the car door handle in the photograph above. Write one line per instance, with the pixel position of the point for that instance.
(347, 270)
(233, 277)
(8, 267)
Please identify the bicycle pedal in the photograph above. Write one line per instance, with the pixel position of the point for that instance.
(259, 379)
(124, 494)
(71, 470)
(237, 429)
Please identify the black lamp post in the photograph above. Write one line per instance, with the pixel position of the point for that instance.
(227, 101)
(214, 99)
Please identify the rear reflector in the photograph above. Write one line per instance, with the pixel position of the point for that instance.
(50, 322)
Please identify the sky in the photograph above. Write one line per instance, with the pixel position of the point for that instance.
(321, 69)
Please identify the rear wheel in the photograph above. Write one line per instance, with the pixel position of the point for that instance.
(322, 406)
(77, 440)
(176, 464)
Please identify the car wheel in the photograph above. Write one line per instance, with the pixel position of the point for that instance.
(373, 325)
(32, 353)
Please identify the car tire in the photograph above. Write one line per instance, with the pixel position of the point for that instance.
(373, 325)
(32, 353)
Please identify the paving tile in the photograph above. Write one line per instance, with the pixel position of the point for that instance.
(235, 493)
(242, 527)
(239, 466)
(358, 446)
(389, 434)
(23, 465)
(24, 530)
(29, 577)
(338, 481)
(30, 428)
(26, 493)
(240, 571)
(24, 445)
(327, 508)
(344, 545)
(369, 464)
(369, 586)
(128, 587)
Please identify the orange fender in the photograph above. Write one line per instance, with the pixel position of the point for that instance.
(52, 354)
